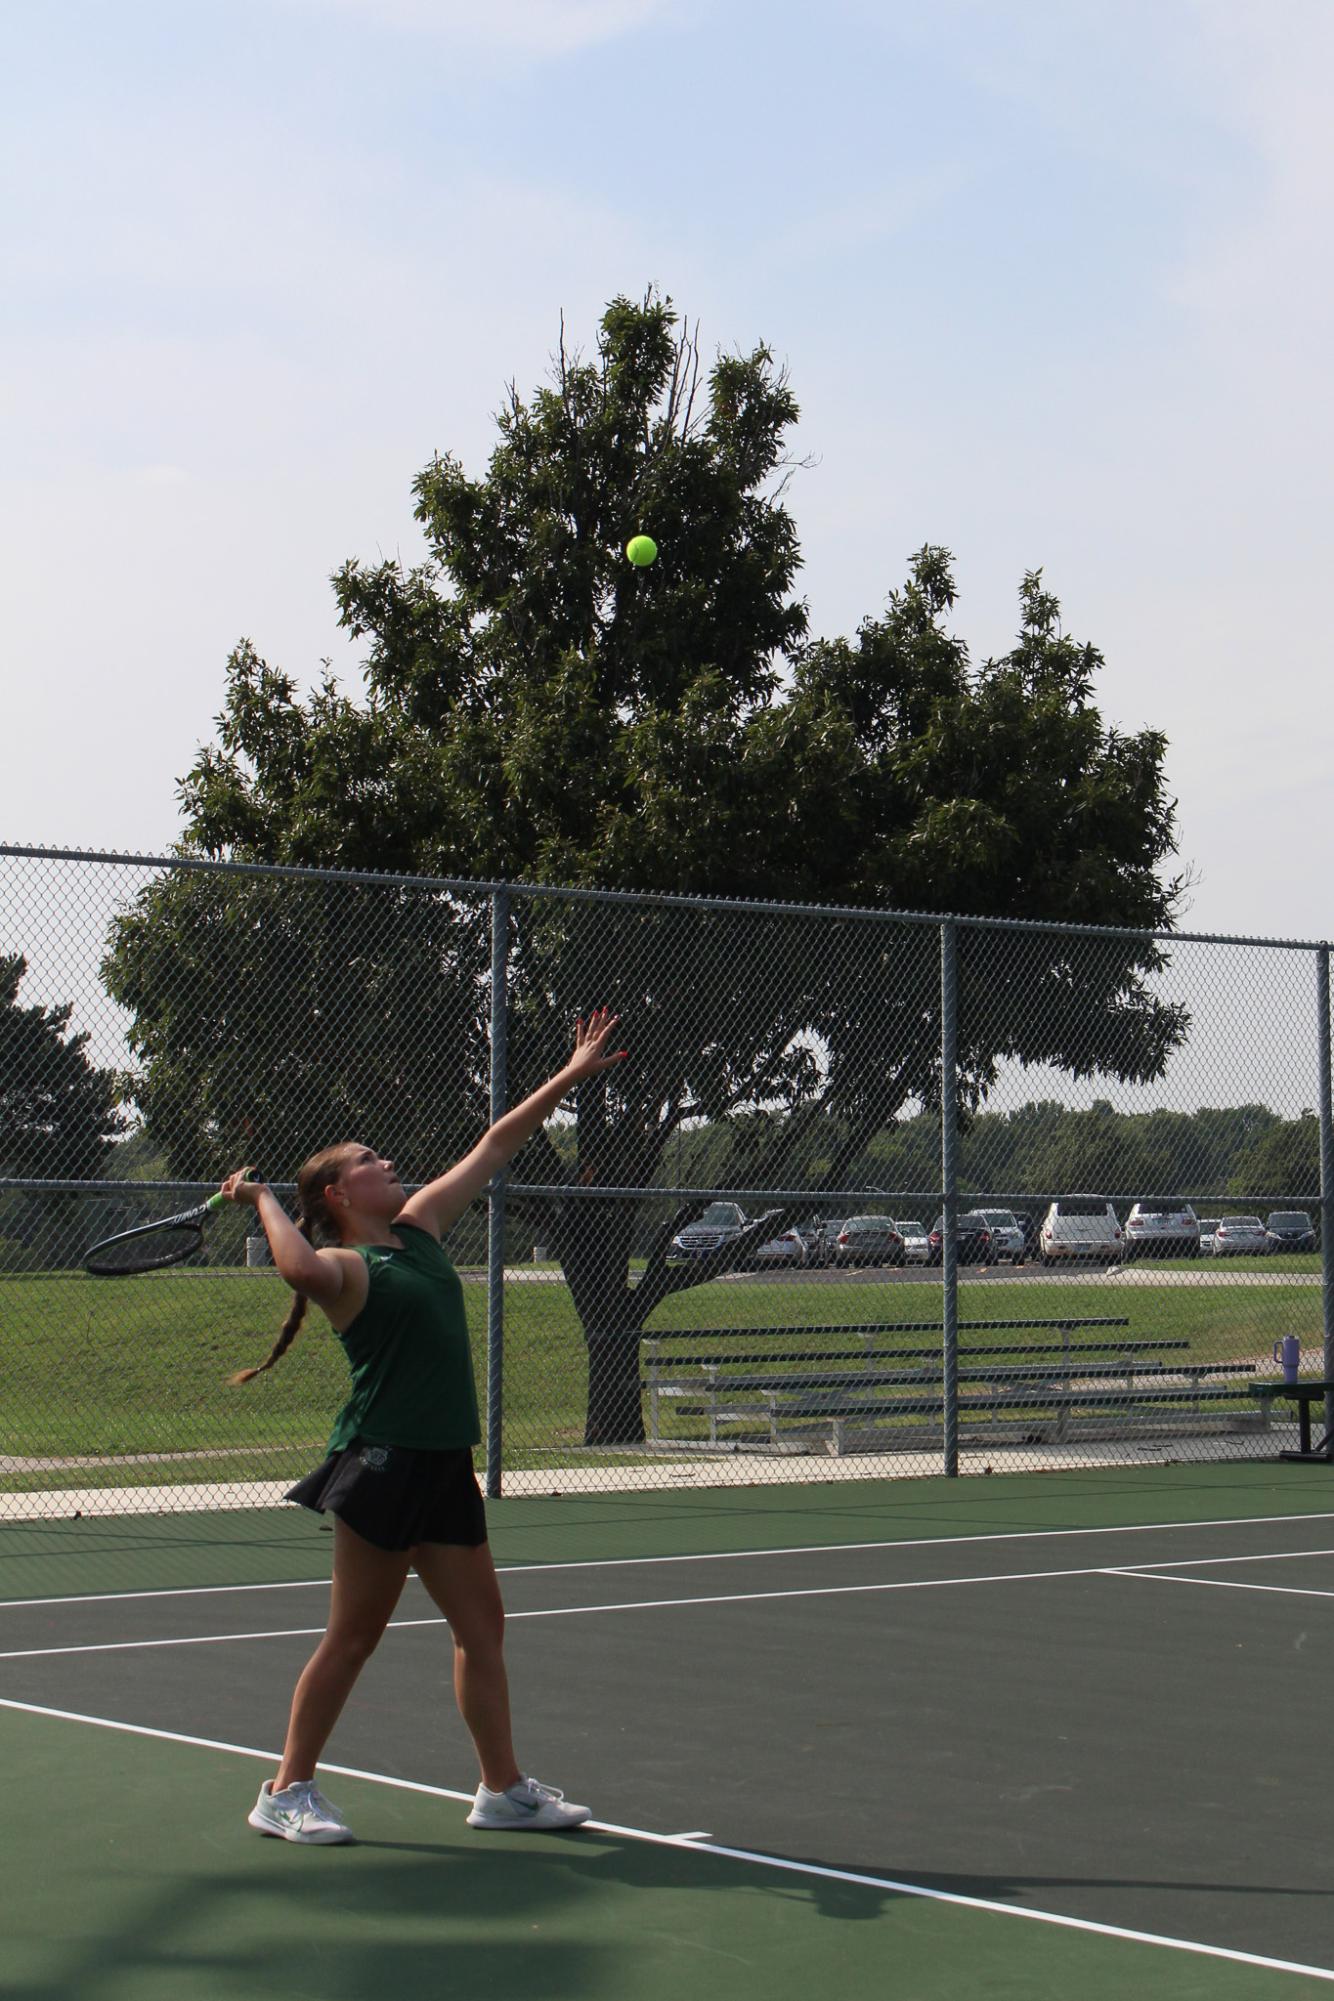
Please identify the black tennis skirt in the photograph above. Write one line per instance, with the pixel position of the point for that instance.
(395, 1497)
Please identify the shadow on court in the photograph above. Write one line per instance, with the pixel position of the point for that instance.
(836, 1899)
(148, 1886)
(304, 1924)
(551, 1918)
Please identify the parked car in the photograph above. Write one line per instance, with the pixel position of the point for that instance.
(718, 1225)
(812, 1234)
(868, 1240)
(1240, 1236)
(916, 1243)
(788, 1248)
(1208, 1225)
(1290, 1230)
(1030, 1225)
(819, 1234)
(1007, 1238)
(1162, 1230)
(972, 1243)
(1080, 1228)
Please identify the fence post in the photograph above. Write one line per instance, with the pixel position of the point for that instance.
(495, 1220)
(949, 1178)
(1326, 1177)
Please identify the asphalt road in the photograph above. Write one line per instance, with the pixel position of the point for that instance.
(1237, 1273)
(911, 1274)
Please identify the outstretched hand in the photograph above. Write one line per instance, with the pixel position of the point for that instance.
(591, 1037)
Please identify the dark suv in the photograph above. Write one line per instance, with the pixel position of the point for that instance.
(1289, 1230)
(720, 1223)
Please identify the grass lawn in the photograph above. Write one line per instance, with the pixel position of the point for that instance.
(92, 1370)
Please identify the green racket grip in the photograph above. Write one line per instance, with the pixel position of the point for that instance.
(216, 1201)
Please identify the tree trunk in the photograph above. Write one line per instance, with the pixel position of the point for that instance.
(593, 1241)
(615, 1411)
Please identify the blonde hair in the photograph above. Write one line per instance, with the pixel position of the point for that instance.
(318, 1226)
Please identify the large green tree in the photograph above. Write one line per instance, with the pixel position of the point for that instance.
(59, 1116)
(58, 1111)
(536, 710)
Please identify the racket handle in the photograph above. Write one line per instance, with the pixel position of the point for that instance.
(216, 1201)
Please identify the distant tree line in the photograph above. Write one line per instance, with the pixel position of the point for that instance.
(1243, 1152)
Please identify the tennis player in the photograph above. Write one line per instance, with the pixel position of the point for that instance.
(399, 1477)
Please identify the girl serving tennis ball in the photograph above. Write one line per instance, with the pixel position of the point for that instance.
(399, 1479)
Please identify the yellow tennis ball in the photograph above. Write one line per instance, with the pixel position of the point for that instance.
(641, 549)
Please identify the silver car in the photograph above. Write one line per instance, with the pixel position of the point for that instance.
(788, 1248)
(1208, 1225)
(916, 1243)
(1007, 1238)
(1241, 1236)
(868, 1240)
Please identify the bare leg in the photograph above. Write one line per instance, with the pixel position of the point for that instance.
(464, 1585)
(367, 1583)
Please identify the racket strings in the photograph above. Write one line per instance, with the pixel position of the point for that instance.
(149, 1252)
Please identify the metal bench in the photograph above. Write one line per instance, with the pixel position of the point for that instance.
(1052, 1410)
(664, 1384)
(1303, 1393)
(841, 1400)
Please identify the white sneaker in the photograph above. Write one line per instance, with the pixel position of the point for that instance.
(300, 1812)
(525, 1804)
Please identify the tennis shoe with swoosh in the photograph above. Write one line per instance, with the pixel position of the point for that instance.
(526, 1804)
(300, 1812)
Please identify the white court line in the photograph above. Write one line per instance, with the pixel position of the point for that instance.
(1206, 1562)
(720, 1598)
(168, 1591)
(746, 1855)
(706, 1556)
(1217, 1584)
(627, 1605)
(193, 1640)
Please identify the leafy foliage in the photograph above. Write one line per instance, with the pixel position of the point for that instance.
(58, 1112)
(59, 1117)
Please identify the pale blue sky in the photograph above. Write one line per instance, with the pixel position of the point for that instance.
(1049, 276)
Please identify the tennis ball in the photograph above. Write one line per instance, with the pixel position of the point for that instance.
(641, 549)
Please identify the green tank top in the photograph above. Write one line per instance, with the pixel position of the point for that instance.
(412, 1380)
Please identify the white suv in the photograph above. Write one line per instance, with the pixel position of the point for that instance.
(1080, 1227)
(1162, 1229)
(1007, 1239)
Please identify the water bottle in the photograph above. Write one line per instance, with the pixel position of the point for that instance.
(1288, 1351)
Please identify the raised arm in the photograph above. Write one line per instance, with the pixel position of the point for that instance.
(442, 1201)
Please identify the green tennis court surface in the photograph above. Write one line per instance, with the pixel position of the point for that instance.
(1018, 1737)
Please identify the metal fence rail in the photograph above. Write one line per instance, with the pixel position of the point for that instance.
(656, 1288)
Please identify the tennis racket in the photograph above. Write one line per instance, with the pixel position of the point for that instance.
(153, 1246)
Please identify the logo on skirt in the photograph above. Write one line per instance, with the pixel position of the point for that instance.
(376, 1457)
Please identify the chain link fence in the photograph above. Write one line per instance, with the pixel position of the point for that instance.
(873, 1194)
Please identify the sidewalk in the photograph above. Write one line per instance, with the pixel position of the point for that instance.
(733, 1469)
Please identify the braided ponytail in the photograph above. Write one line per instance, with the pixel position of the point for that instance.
(317, 1226)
